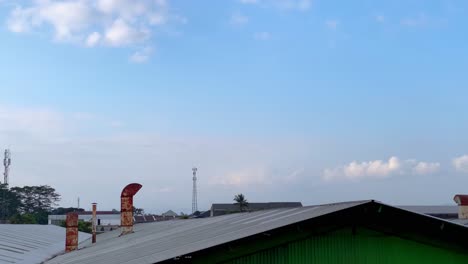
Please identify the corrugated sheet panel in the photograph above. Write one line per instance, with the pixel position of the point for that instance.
(431, 209)
(154, 242)
(366, 247)
(29, 244)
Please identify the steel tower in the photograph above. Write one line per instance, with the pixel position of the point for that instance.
(6, 163)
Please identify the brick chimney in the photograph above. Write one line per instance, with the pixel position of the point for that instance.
(126, 207)
(71, 239)
(462, 201)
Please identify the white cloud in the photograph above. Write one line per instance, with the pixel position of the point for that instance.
(93, 39)
(239, 19)
(142, 55)
(120, 33)
(423, 168)
(461, 163)
(113, 23)
(21, 20)
(332, 24)
(379, 169)
(262, 35)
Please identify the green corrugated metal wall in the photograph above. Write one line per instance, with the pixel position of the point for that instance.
(365, 247)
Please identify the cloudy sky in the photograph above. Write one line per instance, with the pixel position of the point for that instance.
(282, 100)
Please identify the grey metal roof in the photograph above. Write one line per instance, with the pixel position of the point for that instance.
(432, 209)
(31, 244)
(256, 206)
(155, 242)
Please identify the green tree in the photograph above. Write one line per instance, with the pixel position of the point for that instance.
(241, 201)
(62, 210)
(9, 202)
(36, 199)
(138, 211)
(23, 219)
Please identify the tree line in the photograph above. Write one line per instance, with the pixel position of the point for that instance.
(28, 204)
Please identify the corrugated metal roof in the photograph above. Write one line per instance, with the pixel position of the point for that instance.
(256, 206)
(154, 242)
(432, 209)
(29, 244)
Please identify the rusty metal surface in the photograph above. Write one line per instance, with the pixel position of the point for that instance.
(130, 190)
(71, 237)
(126, 207)
(94, 223)
(461, 199)
(463, 212)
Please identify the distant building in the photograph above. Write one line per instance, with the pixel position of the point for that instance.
(104, 218)
(457, 214)
(138, 219)
(222, 209)
(170, 213)
(107, 220)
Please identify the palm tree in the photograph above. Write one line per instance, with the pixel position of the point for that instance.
(241, 201)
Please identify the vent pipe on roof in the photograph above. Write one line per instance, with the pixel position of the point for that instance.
(71, 239)
(462, 201)
(126, 207)
(94, 223)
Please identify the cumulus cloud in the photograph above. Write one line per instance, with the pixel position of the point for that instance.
(113, 23)
(461, 163)
(423, 168)
(378, 169)
(93, 39)
(121, 33)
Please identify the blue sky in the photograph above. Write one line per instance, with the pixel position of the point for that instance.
(315, 101)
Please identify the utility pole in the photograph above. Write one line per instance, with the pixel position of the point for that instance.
(194, 191)
(6, 164)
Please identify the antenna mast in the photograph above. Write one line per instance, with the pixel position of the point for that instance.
(194, 192)
(6, 164)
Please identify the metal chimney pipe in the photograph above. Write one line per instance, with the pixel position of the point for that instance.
(126, 207)
(94, 223)
(462, 201)
(71, 239)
